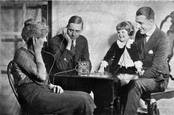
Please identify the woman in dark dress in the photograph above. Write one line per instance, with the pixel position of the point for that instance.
(33, 86)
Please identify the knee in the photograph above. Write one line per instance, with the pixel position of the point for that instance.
(85, 97)
(86, 102)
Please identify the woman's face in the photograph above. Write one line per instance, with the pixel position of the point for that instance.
(123, 35)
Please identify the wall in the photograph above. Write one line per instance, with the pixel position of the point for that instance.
(100, 19)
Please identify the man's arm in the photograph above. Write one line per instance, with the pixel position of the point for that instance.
(62, 55)
(159, 63)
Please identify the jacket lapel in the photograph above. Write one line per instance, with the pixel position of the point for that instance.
(152, 41)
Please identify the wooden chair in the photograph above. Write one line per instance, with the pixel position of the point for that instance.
(25, 110)
(13, 85)
(154, 97)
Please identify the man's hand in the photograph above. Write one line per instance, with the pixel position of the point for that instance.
(67, 37)
(56, 88)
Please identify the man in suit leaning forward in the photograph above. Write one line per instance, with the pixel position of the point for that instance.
(153, 51)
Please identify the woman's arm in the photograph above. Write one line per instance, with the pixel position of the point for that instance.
(41, 69)
(25, 60)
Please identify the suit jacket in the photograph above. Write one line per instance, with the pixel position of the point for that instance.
(153, 54)
(66, 59)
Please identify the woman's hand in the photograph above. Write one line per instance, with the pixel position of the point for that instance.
(41, 70)
(56, 88)
(37, 44)
(102, 66)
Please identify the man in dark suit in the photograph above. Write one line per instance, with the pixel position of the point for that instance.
(153, 51)
(69, 47)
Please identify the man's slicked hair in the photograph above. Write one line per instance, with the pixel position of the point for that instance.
(146, 11)
(76, 20)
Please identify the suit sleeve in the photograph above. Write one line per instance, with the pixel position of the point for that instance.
(63, 57)
(64, 60)
(85, 53)
(159, 63)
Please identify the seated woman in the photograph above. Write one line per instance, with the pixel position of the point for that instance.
(33, 86)
(122, 59)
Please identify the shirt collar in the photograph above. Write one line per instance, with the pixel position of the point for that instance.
(127, 44)
(74, 42)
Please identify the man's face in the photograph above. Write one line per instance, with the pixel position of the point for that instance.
(144, 24)
(74, 30)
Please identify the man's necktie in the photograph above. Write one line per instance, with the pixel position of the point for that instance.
(72, 47)
(144, 39)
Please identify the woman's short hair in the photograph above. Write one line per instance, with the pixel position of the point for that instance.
(33, 28)
(76, 20)
(128, 26)
(147, 12)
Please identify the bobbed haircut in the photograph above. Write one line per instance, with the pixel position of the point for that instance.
(128, 26)
(147, 12)
(33, 28)
(75, 20)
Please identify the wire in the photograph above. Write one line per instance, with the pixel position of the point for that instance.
(64, 72)
(53, 60)
(67, 71)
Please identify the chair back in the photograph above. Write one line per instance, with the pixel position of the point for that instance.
(49, 61)
(11, 79)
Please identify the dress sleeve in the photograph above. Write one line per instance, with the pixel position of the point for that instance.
(110, 52)
(24, 60)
